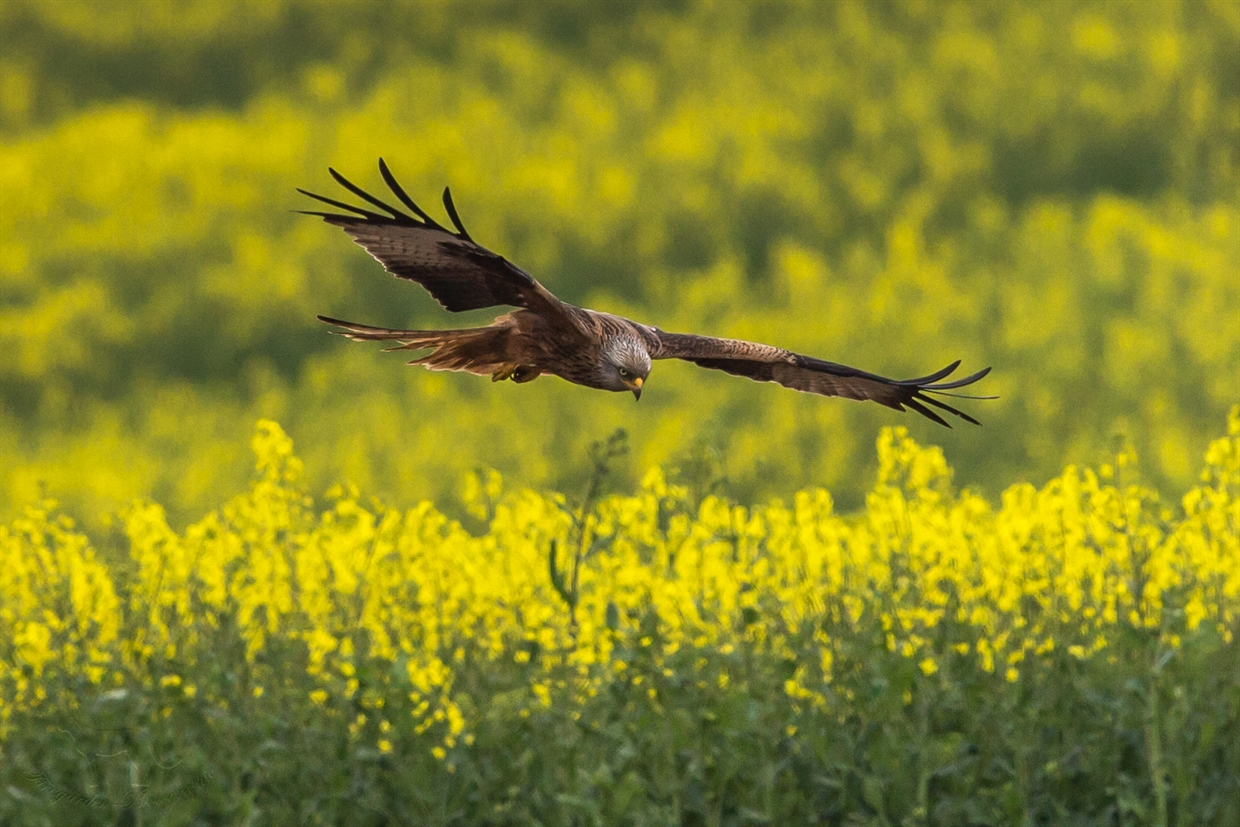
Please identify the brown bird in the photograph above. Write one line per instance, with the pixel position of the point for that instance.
(546, 335)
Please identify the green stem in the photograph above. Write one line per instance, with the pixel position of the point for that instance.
(923, 774)
(1153, 739)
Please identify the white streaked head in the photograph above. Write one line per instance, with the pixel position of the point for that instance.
(626, 364)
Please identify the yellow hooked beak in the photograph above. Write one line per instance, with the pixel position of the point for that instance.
(636, 387)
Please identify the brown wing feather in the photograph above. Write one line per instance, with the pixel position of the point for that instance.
(460, 273)
(764, 363)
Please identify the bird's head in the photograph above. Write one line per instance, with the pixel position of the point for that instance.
(626, 364)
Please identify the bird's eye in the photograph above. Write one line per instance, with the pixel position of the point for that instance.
(623, 372)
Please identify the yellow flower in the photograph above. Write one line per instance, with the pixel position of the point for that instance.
(358, 586)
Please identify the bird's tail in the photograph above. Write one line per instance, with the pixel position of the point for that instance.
(477, 350)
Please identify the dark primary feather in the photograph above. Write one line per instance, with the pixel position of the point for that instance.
(764, 363)
(456, 270)
(390, 180)
(456, 219)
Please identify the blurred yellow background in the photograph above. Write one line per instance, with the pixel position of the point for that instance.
(1048, 188)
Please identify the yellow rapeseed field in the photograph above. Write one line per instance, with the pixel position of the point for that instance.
(397, 625)
(452, 606)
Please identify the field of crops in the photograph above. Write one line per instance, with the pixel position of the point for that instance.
(1067, 657)
(465, 602)
(1046, 188)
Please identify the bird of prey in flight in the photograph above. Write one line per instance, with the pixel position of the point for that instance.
(587, 347)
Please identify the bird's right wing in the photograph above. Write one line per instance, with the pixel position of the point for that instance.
(460, 273)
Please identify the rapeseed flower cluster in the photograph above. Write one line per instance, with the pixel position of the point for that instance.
(415, 633)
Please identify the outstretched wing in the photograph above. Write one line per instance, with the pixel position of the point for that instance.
(764, 363)
(456, 270)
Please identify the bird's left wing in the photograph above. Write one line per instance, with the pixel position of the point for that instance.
(764, 363)
(460, 273)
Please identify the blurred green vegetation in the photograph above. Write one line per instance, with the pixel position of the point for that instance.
(1049, 188)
